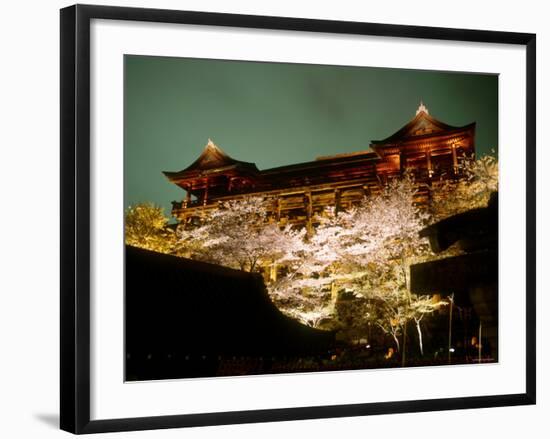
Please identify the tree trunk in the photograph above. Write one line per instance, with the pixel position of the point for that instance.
(451, 303)
(404, 352)
(479, 344)
(404, 271)
(396, 341)
(419, 330)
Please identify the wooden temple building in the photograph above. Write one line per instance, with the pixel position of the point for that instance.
(426, 147)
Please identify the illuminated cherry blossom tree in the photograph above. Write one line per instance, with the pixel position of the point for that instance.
(367, 251)
(239, 234)
(453, 197)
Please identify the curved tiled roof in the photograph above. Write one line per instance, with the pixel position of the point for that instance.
(211, 158)
(421, 125)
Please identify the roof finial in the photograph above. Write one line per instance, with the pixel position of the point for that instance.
(211, 144)
(422, 108)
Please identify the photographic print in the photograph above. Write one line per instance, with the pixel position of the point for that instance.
(289, 218)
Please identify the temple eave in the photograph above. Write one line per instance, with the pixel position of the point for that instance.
(204, 173)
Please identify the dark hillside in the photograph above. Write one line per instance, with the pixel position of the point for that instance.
(183, 317)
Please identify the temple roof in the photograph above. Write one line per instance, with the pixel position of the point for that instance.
(421, 125)
(212, 158)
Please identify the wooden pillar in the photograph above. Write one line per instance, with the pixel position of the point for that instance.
(337, 194)
(278, 201)
(273, 272)
(333, 292)
(401, 163)
(266, 274)
(366, 190)
(429, 163)
(188, 197)
(205, 197)
(455, 160)
(309, 211)
(230, 185)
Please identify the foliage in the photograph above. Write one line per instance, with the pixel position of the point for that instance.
(145, 226)
(473, 191)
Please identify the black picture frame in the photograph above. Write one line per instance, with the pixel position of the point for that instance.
(75, 217)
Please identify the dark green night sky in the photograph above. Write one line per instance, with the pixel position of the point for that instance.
(277, 114)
